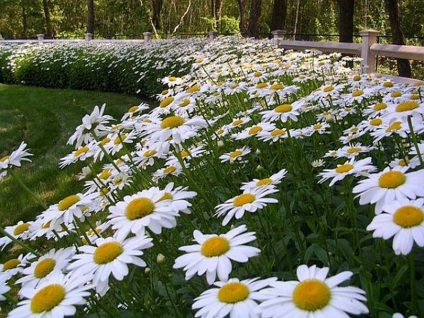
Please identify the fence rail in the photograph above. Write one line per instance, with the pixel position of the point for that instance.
(368, 50)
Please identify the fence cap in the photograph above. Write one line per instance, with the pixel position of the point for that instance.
(369, 31)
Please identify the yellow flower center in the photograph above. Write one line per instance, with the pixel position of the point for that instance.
(396, 94)
(264, 182)
(357, 78)
(357, 93)
(104, 191)
(344, 168)
(415, 96)
(278, 132)
(353, 150)
(235, 154)
(277, 86)
(133, 109)
(380, 106)
(220, 131)
(317, 126)
(67, 202)
(172, 122)
(169, 170)
(184, 153)
(166, 196)
(193, 89)
(104, 141)
(184, 103)
(172, 79)
(237, 122)
(328, 89)
(388, 84)
(47, 298)
(232, 293)
(397, 125)
(408, 216)
(139, 208)
(257, 74)
(403, 162)
(285, 108)
(255, 129)
(261, 85)
(311, 295)
(21, 228)
(404, 107)
(44, 267)
(118, 140)
(81, 151)
(376, 122)
(107, 252)
(13, 263)
(391, 179)
(215, 246)
(3, 159)
(166, 101)
(243, 199)
(105, 174)
(150, 153)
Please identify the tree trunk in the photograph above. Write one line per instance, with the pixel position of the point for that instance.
(255, 14)
(49, 29)
(157, 8)
(243, 21)
(90, 20)
(279, 14)
(24, 22)
(392, 7)
(346, 9)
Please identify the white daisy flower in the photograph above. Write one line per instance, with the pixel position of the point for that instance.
(236, 155)
(213, 253)
(253, 131)
(270, 181)
(251, 200)
(177, 198)
(81, 154)
(110, 256)
(234, 298)
(399, 315)
(353, 150)
(404, 221)
(389, 185)
(282, 112)
(358, 168)
(4, 288)
(15, 158)
(140, 211)
(95, 123)
(16, 265)
(46, 264)
(314, 295)
(20, 230)
(55, 297)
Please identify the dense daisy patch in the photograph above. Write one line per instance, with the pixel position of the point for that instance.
(266, 183)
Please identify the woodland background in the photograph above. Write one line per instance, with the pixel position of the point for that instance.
(167, 18)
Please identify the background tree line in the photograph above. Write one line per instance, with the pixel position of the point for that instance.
(113, 18)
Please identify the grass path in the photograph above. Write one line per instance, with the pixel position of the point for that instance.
(45, 119)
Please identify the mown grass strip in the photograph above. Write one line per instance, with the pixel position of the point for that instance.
(45, 119)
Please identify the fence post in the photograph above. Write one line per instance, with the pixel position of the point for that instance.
(88, 36)
(276, 35)
(147, 37)
(369, 37)
(212, 35)
(40, 38)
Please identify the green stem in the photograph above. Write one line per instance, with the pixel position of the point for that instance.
(414, 140)
(28, 190)
(23, 245)
(413, 284)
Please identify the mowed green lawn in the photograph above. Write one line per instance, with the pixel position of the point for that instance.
(45, 119)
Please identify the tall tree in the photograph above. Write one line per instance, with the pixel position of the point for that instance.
(46, 9)
(90, 20)
(346, 10)
(255, 14)
(157, 8)
(279, 14)
(242, 13)
(392, 7)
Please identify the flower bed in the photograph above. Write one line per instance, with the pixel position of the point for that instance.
(265, 184)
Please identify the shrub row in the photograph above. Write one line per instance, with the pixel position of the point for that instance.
(123, 68)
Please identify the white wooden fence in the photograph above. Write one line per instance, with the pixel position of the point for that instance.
(368, 50)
